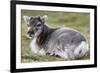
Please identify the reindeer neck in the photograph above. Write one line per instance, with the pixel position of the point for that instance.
(42, 38)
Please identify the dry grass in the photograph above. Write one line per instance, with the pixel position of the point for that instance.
(78, 21)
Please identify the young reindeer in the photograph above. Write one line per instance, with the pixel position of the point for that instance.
(63, 42)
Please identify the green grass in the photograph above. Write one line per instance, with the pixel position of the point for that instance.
(78, 21)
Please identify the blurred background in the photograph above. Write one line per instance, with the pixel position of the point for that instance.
(78, 21)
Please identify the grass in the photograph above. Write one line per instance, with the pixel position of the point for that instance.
(78, 21)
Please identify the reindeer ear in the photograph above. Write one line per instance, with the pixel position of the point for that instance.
(26, 19)
(44, 18)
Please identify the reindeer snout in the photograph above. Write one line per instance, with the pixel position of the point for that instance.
(30, 33)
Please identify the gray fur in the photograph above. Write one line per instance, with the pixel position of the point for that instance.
(64, 42)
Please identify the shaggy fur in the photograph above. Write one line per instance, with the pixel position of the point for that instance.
(63, 42)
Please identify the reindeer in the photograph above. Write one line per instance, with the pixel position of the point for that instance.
(63, 42)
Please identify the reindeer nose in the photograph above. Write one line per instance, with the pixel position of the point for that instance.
(30, 32)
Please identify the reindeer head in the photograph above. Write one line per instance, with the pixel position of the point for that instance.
(35, 25)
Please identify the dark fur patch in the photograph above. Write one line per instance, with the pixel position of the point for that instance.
(44, 35)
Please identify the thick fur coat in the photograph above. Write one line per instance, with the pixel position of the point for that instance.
(63, 42)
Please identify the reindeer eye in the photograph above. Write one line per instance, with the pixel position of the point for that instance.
(38, 24)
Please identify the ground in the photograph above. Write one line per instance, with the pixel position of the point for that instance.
(78, 21)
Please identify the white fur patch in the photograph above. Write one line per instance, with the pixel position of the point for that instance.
(81, 50)
(42, 52)
(28, 36)
(35, 49)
